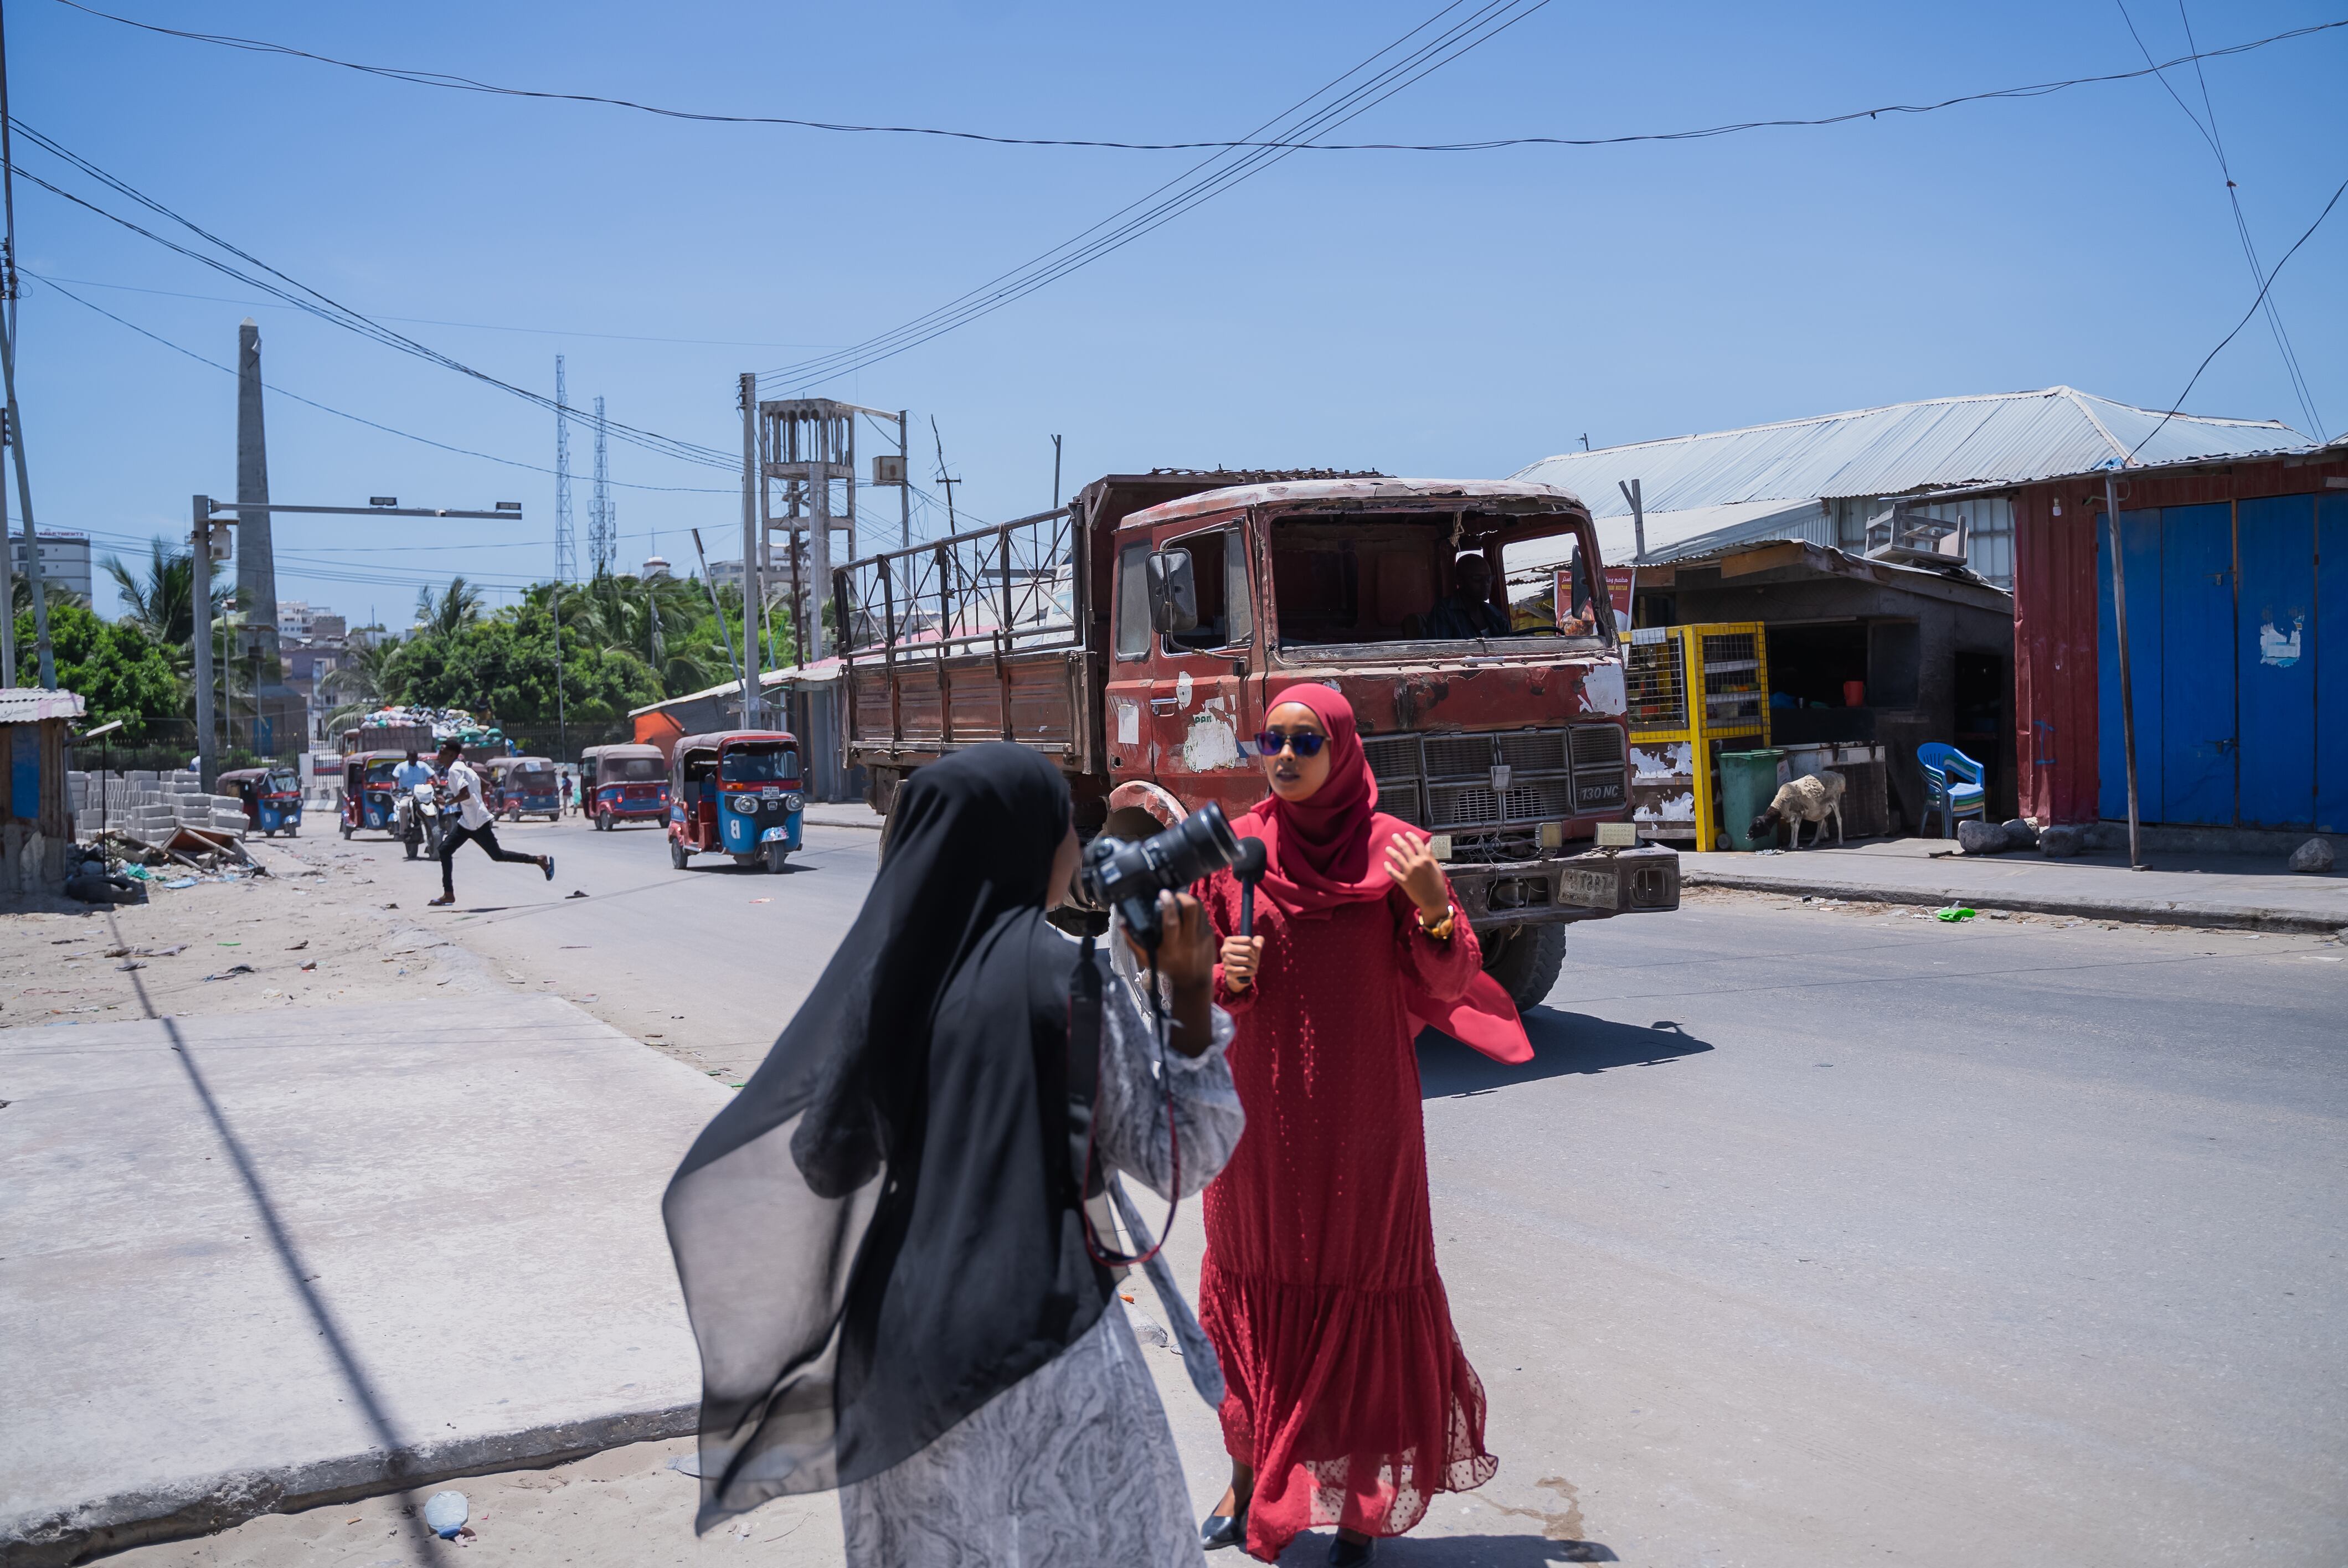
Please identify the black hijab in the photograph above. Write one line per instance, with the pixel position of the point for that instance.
(882, 1231)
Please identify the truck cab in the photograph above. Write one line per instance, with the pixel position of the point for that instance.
(1140, 636)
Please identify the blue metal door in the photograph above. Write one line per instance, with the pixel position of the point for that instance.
(2276, 639)
(2198, 727)
(2140, 532)
(2331, 662)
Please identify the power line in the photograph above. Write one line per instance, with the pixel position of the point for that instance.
(436, 321)
(443, 79)
(2234, 200)
(1213, 176)
(2239, 325)
(322, 305)
(52, 284)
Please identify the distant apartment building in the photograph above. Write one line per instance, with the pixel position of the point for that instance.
(65, 560)
(294, 618)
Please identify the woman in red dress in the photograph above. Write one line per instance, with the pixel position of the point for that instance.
(1351, 1402)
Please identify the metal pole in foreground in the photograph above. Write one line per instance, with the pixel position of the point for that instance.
(2128, 694)
(199, 555)
(753, 584)
(8, 583)
(904, 486)
(15, 419)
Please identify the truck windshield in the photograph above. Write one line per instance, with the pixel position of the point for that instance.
(379, 774)
(630, 770)
(770, 763)
(1427, 576)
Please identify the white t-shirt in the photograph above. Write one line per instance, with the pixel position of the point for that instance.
(471, 812)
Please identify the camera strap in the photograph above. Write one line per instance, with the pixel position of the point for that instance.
(1083, 1102)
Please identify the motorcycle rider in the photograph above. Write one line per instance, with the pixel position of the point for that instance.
(409, 775)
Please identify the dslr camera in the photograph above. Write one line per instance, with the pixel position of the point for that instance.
(1127, 875)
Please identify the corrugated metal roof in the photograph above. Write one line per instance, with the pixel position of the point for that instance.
(1938, 444)
(23, 704)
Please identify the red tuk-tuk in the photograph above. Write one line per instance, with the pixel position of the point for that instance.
(517, 785)
(735, 791)
(271, 798)
(622, 784)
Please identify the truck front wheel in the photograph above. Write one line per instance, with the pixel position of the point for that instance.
(1526, 960)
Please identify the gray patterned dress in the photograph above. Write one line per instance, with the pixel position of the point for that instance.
(1073, 1467)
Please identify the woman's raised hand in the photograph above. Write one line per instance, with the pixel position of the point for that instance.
(1242, 955)
(1412, 867)
(1186, 952)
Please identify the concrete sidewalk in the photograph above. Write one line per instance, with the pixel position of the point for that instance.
(2179, 889)
(265, 1260)
(842, 813)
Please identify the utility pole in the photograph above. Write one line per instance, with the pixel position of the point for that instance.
(1632, 494)
(2127, 692)
(200, 557)
(754, 588)
(1056, 473)
(15, 414)
(904, 487)
(952, 526)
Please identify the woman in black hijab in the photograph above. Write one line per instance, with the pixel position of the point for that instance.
(882, 1239)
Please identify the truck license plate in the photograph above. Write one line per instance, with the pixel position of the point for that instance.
(1591, 889)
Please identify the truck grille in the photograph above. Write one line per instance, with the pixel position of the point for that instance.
(1443, 783)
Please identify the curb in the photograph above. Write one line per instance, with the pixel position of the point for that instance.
(2138, 911)
(831, 822)
(204, 1505)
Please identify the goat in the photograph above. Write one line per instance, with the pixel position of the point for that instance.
(1812, 798)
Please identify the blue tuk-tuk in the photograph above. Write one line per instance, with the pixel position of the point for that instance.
(370, 791)
(737, 791)
(271, 798)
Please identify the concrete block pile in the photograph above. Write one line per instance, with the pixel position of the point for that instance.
(150, 805)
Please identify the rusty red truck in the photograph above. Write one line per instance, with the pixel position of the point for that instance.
(1137, 636)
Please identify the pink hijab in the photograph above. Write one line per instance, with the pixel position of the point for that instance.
(1329, 849)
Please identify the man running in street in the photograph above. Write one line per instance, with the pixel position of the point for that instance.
(464, 787)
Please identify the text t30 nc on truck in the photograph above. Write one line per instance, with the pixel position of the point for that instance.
(1138, 634)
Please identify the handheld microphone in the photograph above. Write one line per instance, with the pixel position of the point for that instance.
(1249, 868)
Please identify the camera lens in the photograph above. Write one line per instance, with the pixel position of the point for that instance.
(1129, 876)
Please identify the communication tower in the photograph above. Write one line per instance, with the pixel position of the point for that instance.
(602, 541)
(566, 543)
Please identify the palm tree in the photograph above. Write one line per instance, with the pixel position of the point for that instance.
(360, 682)
(162, 604)
(457, 607)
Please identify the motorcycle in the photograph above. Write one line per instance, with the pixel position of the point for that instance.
(419, 827)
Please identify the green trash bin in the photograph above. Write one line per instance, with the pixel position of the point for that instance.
(1748, 783)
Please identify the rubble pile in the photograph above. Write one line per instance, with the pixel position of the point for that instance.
(150, 805)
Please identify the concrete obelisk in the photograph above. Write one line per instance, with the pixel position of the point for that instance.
(280, 726)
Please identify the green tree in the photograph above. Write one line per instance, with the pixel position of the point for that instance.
(457, 607)
(505, 665)
(118, 669)
(162, 602)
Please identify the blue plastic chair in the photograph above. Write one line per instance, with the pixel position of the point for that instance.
(1954, 785)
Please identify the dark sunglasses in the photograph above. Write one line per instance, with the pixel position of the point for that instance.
(1268, 742)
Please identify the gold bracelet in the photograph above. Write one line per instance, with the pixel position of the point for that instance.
(1441, 929)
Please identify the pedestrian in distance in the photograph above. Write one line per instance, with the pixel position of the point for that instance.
(474, 824)
(883, 1237)
(1351, 1400)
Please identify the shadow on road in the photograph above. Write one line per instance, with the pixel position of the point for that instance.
(1563, 1042)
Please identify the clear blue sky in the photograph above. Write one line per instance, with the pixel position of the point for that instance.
(1456, 315)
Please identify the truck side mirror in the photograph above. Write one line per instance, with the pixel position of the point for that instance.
(1173, 595)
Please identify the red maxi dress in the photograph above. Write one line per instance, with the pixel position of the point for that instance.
(1349, 1394)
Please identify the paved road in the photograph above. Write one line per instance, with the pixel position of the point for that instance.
(1810, 1236)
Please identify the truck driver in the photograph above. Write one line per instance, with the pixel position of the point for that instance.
(1469, 611)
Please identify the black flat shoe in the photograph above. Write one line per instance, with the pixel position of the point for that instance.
(1351, 1554)
(1223, 1530)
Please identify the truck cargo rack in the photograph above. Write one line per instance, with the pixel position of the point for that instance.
(972, 638)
